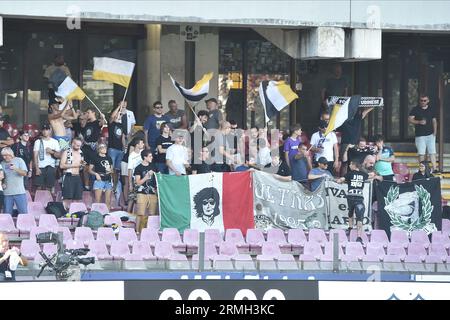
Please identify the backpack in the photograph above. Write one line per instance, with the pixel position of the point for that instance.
(94, 220)
(56, 208)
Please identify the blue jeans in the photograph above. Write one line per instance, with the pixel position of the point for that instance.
(19, 199)
(162, 167)
(116, 156)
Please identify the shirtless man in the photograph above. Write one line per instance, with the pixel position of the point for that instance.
(71, 163)
(57, 118)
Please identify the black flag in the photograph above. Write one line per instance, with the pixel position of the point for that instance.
(410, 206)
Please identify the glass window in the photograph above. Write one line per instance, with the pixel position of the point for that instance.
(104, 94)
(393, 93)
(231, 101)
(264, 61)
(42, 48)
(11, 77)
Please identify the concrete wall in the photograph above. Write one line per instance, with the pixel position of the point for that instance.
(431, 15)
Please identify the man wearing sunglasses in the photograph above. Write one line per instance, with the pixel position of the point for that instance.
(153, 124)
(423, 118)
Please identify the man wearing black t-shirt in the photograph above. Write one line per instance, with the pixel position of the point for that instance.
(101, 167)
(144, 175)
(116, 138)
(91, 134)
(200, 165)
(163, 142)
(424, 120)
(355, 198)
(22, 149)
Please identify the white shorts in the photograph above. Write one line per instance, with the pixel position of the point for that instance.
(124, 168)
(426, 143)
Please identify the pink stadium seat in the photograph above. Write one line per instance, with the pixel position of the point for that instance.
(29, 248)
(270, 249)
(420, 236)
(190, 239)
(37, 230)
(354, 235)
(213, 236)
(317, 235)
(438, 249)
(400, 237)
(235, 236)
(266, 262)
(67, 235)
(446, 226)
(74, 245)
(36, 209)
(401, 169)
(7, 225)
(392, 262)
(120, 250)
(243, 262)
(396, 249)
(255, 240)
(83, 235)
(313, 249)
(297, 239)
(210, 254)
(143, 250)
(106, 234)
(127, 235)
(342, 236)
(414, 263)
(277, 236)
(77, 206)
(163, 250)
(172, 236)
(375, 249)
(222, 262)
(150, 236)
(353, 249)
(48, 221)
(87, 199)
(153, 222)
(379, 236)
(399, 178)
(417, 249)
(99, 250)
(286, 262)
(100, 207)
(109, 220)
(309, 262)
(25, 222)
(441, 238)
(329, 249)
(228, 249)
(43, 196)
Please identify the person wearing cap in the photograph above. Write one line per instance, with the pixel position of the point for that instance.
(177, 155)
(318, 174)
(152, 125)
(5, 138)
(326, 146)
(215, 116)
(102, 168)
(45, 153)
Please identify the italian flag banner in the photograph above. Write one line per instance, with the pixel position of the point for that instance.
(206, 201)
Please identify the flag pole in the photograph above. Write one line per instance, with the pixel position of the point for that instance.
(197, 118)
(124, 96)
(101, 113)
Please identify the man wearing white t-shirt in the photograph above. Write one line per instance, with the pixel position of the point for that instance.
(326, 146)
(177, 156)
(46, 151)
